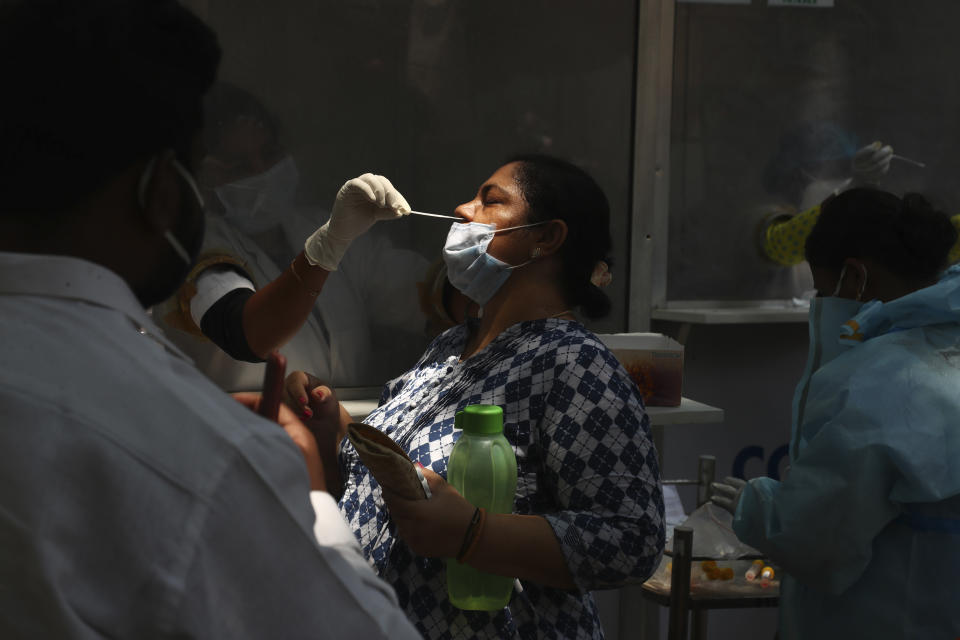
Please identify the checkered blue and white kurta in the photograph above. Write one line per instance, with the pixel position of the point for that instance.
(586, 463)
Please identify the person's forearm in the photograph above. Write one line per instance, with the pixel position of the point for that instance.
(783, 241)
(522, 547)
(328, 444)
(274, 314)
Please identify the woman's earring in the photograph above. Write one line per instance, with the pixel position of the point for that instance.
(535, 253)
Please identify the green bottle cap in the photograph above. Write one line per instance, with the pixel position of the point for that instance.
(480, 419)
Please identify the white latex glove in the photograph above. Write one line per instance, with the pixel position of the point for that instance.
(726, 494)
(359, 204)
(871, 163)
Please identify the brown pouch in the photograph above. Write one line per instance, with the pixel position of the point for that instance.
(388, 463)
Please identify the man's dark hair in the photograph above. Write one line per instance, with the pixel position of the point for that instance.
(90, 87)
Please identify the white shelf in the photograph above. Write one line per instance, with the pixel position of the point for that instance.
(733, 311)
(360, 409)
(689, 412)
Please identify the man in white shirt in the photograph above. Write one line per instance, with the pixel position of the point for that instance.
(136, 499)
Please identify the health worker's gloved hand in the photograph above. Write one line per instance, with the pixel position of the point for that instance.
(871, 163)
(359, 204)
(726, 494)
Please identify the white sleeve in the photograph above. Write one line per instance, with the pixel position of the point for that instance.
(258, 572)
(332, 532)
(213, 284)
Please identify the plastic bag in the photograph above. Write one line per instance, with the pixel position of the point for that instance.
(713, 535)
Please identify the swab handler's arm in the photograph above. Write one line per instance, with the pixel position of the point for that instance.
(359, 204)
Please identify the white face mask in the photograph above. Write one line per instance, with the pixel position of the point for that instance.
(171, 239)
(259, 202)
(473, 271)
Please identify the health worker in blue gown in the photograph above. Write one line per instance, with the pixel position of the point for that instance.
(866, 524)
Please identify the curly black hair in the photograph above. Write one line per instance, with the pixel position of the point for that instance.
(905, 235)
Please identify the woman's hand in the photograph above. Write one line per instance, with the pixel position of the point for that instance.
(317, 405)
(323, 415)
(299, 433)
(296, 392)
(435, 527)
(516, 546)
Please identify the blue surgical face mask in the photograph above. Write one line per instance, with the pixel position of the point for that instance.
(259, 202)
(827, 316)
(473, 271)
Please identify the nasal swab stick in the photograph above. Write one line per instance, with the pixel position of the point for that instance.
(915, 163)
(434, 215)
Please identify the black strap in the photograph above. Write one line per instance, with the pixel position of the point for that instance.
(223, 324)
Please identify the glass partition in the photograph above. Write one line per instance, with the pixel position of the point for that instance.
(435, 94)
(769, 105)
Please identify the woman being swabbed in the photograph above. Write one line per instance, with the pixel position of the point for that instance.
(588, 511)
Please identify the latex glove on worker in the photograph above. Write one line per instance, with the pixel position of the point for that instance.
(871, 163)
(359, 204)
(726, 494)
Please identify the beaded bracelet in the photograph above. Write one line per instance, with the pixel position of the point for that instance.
(472, 535)
(293, 270)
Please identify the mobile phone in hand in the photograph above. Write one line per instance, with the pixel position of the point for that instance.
(272, 392)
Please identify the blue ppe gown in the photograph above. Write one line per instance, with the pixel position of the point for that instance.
(867, 522)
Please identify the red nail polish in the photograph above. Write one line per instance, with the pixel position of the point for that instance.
(418, 464)
(303, 399)
(307, 412)
(319, 394)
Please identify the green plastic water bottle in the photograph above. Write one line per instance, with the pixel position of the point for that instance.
(483, 468)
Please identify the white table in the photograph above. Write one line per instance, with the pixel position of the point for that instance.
(689, 412)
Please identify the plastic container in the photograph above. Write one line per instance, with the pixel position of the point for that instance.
(483, 468)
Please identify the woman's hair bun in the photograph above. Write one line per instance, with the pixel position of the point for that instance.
(925, 232)
(906, 235)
